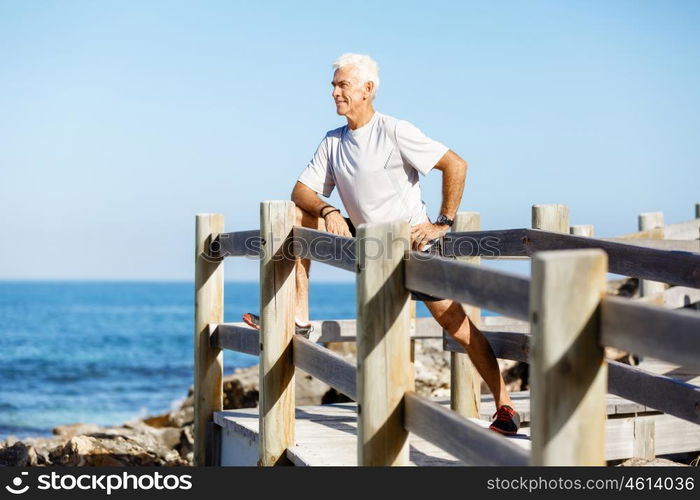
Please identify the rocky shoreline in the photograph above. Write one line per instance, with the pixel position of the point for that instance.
(166, 440)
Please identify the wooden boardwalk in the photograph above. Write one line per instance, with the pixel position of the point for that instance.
(326, 435)
(569, 319)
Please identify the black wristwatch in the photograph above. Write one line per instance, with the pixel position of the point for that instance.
(444, 220)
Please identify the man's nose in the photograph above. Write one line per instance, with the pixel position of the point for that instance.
(335, 93)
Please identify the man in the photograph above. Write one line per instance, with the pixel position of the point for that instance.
(374, 161)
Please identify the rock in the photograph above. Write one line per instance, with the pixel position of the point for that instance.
(113, 448)
(18, 455)
(43, 447)
(241, 388)
(68, 431)
(186, 446)
(654, 462)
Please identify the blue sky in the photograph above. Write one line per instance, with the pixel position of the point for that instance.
(119, 121)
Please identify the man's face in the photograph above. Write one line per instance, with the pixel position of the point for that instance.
(348, 92)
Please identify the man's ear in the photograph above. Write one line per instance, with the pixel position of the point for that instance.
(369, 87)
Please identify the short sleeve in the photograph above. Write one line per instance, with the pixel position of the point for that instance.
(421, 152)
(317, 174)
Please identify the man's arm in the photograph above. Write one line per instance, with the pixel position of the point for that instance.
(306, 198)
(454, 173)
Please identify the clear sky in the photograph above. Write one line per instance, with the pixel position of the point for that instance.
(120, 120)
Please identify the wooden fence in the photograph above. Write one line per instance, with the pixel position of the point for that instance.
(571, 320)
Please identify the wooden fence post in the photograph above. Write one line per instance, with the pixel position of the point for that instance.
(644, 445)
(646, 221)
(208, 308)
(465, 381)
(567, 366)
(383, 344)
(582, 230)
(554, 218)
(277, 288)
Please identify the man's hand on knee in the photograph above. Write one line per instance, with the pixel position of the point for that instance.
(335, 223)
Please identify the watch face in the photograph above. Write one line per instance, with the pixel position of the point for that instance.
(444, 220)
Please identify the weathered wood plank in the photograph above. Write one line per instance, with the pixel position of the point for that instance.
(666, 245)
(665, 394)
(667, 334)
(678, 268)
(672, 298)
(649, 234)
(208, 308)
(277, 287)
(465, 381)
(236, 337)
(326, 366)
(688, 230)
(343, 330)
(552, 217)
(488, 244)
(581, 230)
(646, 221)
(458, 436)
(328, 248)
(494, 290)
(239, 243)
(568, 372)
(383, 343)
(505, 344)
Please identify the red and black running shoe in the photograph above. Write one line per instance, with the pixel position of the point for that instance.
(253, 320)
(507, 421)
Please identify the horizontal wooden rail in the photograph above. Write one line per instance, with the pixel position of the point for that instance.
(240, 243)
(494, 244)
(464, 439)
(235, 337)
(662, 393)
(666, 245)
(493, 290)
(328, 248)
(326, 366)
(665, 394)
(505, 344)
(670, 335)
(688, 230)
(673, 298)
(678, 268)
(344, 330)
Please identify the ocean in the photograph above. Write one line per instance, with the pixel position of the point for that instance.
(109, 352)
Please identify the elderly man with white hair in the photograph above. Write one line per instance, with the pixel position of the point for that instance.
(374, 161)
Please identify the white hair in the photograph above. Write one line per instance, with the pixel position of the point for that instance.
(367, 68)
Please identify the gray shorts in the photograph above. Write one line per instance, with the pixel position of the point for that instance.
(436, 248)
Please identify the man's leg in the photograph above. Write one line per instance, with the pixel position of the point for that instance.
(450, 315)
(305, 219)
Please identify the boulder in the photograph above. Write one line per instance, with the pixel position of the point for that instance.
(18, 455)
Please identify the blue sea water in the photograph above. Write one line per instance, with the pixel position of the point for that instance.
(108, 352)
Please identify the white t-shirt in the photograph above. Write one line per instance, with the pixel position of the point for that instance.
(375, 168)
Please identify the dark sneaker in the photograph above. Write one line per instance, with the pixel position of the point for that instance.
(507, 421)
(253, 320)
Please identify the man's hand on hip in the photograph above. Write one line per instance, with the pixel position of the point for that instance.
(335, 223)
(422, 234)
